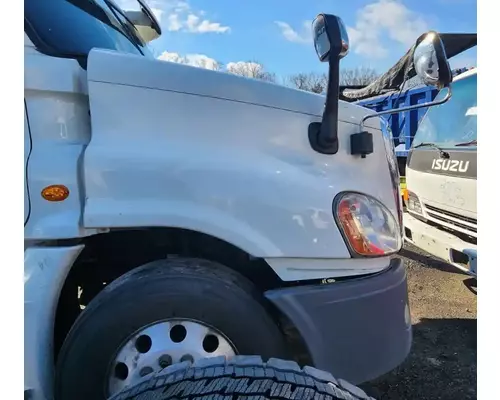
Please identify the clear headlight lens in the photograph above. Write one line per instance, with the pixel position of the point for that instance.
(413, 204)
(369, 228)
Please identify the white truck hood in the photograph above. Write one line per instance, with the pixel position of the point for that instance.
(126, 69)
(178, 146)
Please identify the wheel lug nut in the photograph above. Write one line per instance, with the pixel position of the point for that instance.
(164, 361)
(145, 371)
(187, 357)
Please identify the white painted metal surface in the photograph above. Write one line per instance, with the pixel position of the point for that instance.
(174, 145)
(439, 243)
(455, 194)
(45, 269)
(55, 92)
(296, 269)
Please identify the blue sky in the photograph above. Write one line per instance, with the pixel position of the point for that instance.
(276, 33)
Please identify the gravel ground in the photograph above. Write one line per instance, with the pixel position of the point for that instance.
(442, 363)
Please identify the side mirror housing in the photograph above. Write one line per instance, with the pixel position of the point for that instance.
(332, 44)
(330, 37)
(430, 61)
(431, 65)
(145, 22)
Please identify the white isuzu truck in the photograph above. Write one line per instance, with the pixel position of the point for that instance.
(175, 213)
(441, 178)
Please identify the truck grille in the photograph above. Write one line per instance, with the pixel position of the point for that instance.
(451, 220)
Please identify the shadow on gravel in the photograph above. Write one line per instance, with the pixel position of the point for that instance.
(471, 284)
(441, 365)
(428, 261)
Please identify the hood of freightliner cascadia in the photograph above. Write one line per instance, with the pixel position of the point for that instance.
(174, 145)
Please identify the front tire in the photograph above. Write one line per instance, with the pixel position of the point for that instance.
(103, 346)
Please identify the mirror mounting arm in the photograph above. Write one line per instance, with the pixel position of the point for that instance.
(362, 142)
(408, 108)
(332, 43)
(323, 136)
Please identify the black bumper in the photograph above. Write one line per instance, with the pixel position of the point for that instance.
(357, 329)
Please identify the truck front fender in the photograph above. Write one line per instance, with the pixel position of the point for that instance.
(110, 213)
(45, 270)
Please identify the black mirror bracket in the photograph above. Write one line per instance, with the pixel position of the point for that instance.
(361, 144)
(321, 146)
(331, 43)
(323, 136)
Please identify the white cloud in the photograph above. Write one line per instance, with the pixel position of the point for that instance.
(173, 23)
(195, 24)
(195, 60)
(290, 34)
(178, 16)
(181, 6)
(182, 17)
(384, 17)
(207, 26)
(366, 43)
(248, 69)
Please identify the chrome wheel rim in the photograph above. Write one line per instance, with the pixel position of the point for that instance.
(161, 344)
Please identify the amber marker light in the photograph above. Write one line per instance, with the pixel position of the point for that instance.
(55, 193)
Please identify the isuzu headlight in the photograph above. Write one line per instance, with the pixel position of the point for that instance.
(369, 228)
(413, 203)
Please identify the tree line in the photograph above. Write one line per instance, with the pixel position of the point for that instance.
(313, 81)
(316, 83)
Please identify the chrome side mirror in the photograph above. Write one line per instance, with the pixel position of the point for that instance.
(431, 65)
(332, 44)
(430, 61)
(330, 37)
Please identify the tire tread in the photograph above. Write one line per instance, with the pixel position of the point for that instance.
(242, 378)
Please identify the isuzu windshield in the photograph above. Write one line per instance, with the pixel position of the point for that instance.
(453, 123)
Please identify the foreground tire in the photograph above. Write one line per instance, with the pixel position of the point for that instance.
(160, 314)
(243, 377)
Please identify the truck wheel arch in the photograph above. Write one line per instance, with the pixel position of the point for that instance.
(109, 255)
(208, 221)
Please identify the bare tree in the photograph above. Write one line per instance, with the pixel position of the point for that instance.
(311, 82)
(317, 83)
(250, 69)
(358, 76)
